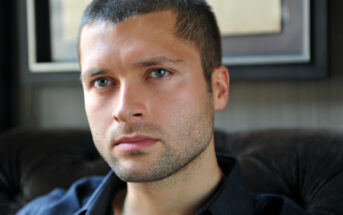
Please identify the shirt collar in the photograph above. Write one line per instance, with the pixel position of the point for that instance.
(232, 197)
(101, 200)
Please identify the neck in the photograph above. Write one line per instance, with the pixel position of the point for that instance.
(184, 192)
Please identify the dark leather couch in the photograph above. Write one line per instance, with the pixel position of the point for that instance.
(305, 165)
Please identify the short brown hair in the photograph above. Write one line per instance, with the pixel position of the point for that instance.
(195, 23)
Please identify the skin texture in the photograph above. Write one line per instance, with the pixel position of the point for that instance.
(139, 79)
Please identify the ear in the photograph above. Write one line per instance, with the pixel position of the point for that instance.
(220, 87)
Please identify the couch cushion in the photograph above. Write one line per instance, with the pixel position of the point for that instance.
(304, 165)
(33, 162)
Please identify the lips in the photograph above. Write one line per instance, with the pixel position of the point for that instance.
(134, 143)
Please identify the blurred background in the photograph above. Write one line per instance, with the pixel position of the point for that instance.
(37, 101)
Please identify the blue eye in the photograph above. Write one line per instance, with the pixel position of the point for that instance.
(159, 73)
(102, 82)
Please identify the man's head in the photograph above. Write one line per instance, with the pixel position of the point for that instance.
(195, 23)
(147, 101)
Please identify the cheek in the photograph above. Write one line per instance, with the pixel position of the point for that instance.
(99, 118)
(99, 111)
(175, 105)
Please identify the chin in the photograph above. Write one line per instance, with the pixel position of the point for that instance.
(138, 176)
(139, 171)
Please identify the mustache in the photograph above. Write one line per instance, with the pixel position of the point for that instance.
(141, 128)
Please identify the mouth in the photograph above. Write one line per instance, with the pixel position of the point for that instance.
(137, 142)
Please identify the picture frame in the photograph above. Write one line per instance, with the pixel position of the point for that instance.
(310, 61)
(35, 47)
(311, 64)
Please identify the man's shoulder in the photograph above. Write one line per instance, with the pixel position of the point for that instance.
(60, 201)
(235, 195)
(274, 204)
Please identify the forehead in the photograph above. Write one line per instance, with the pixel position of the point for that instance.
(140, 35)
(155, 24)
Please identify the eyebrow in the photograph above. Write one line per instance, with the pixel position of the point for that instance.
(90, 73)
(156, 61)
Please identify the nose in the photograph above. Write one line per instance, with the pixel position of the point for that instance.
(129, 104)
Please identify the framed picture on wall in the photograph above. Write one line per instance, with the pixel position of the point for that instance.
(264, 31)
(273, 38)
(260, 39)
(51, 34)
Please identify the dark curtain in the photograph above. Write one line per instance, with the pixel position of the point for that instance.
(5, 59)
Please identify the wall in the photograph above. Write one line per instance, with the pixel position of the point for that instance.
(252, 105)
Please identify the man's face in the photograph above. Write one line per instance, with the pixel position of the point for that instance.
(146, 97)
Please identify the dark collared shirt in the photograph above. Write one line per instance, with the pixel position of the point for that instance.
(94, 195)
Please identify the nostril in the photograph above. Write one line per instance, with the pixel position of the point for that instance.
(137, 114)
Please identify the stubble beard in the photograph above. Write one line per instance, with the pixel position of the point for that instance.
(191, 138)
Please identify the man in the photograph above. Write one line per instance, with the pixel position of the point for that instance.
(152, 79)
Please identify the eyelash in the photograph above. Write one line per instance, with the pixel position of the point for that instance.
(167, 72)
(95, 82)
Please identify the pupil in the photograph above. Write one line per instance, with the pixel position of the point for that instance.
(102, 82)
(160, 72)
